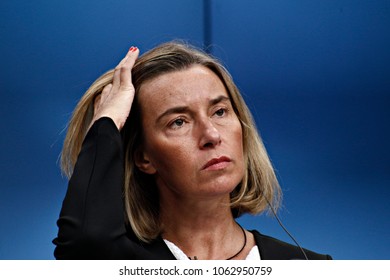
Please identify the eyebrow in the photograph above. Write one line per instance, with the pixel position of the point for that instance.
(184, 109)
(218, 100)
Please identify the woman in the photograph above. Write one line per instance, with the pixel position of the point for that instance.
(163, 155)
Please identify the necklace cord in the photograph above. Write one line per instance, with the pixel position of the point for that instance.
(243, 231)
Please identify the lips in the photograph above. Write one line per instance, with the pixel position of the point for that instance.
(217, 163)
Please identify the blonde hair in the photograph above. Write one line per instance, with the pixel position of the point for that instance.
(259, 189)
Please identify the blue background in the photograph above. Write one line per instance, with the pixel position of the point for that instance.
(314, 73)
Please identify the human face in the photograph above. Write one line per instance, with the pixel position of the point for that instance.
(192, 136)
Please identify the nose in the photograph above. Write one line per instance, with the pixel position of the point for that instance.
(210, 137)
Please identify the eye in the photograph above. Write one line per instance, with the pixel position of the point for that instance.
(177, 123)
(220, 112)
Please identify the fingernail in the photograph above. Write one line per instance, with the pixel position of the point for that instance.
(131, 49)
(134, 49)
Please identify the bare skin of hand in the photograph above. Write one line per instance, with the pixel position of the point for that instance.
(116, 99)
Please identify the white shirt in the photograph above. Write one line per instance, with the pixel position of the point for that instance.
(254, 253)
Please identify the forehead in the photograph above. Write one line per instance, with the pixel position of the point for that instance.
(194, 84)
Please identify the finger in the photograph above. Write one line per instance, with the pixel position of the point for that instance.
(105, 93)
(96, 103)
(116, 78)
(101, 98)
(118, 69)
(126, 67)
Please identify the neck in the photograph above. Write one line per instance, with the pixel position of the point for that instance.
(204, 228)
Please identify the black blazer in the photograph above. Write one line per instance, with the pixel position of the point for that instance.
(270, 249)
(92, 221)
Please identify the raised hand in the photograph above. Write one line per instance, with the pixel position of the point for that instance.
(116, 98)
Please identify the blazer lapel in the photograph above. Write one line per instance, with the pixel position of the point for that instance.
(159, 250)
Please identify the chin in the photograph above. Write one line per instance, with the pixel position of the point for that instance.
(223, 187)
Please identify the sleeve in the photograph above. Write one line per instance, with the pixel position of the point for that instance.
(92, 222)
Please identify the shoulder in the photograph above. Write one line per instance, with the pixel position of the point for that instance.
(274, 249)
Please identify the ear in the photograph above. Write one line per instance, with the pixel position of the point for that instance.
(143, 162)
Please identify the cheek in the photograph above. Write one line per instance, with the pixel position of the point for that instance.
(238, 138)
(239, 146)
(167, 155)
